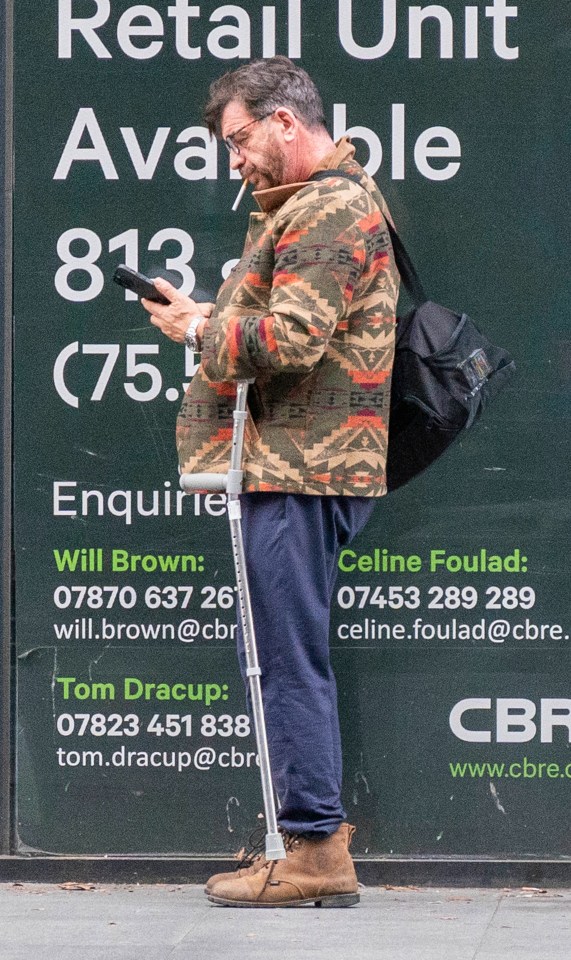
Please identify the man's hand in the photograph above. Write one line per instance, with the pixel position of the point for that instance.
(173, 320)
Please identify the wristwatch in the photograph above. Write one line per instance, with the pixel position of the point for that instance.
(191, 337)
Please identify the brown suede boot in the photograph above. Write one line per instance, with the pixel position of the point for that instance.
(244, 869)
(314, 871)
(250, 860)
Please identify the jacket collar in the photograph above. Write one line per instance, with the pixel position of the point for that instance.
(274, 197)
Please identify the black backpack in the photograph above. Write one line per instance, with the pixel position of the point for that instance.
(445, 373)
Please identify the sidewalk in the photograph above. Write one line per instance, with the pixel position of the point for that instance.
(171, 922)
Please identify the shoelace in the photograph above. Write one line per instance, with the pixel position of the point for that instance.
(290, 839)
(256, 846)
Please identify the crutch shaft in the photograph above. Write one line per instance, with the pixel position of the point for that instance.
(253, 671)
(231, 483)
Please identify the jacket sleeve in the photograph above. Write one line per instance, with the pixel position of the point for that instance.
(320, 253)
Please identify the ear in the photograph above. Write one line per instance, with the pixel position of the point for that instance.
(288, 122)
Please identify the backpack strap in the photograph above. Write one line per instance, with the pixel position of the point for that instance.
(405, 266)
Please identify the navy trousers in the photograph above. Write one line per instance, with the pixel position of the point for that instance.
(292, 545)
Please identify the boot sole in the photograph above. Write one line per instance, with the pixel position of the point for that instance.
(334, 900)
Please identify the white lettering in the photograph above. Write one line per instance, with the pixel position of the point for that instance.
(84, 25)
(423, 150)
(204, 153)
(554, 713)
(86, 122)
(145, 168)
(208, 153)
(457, 714)
(126, 503)
(398, 143)
(127, 29)
(242, 49)
(416, 16)
(59, 498)
(182, 11)
(499, 12)
(387, 39)
(140, 29)
(123, 508)
(268, 32)
(361, 133)
(294, 29)
(514, 720)
(471, 36)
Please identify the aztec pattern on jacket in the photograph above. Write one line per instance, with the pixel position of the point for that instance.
(309, 312)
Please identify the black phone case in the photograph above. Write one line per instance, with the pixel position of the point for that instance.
(138, 283)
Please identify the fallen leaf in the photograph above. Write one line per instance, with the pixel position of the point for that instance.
(73, 885)
(390, 886)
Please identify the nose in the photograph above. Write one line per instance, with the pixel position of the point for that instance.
(236, 160)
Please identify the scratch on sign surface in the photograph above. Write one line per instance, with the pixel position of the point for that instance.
(233, 801)
(53, 686)
(95, 661)
(494, 793)
(360, 778)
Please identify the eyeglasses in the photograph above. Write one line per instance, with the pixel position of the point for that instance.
(230, 141)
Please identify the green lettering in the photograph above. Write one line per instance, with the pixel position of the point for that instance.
(437, 558)
(347, 567)
(103, 691)
(120, 560)
(66, 684)
(212, 693)
(133, 688)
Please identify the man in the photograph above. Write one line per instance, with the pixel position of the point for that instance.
(309, 314)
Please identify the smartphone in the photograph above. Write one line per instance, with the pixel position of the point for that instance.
(138, 283)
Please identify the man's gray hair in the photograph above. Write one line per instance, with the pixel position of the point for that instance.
(261, 87)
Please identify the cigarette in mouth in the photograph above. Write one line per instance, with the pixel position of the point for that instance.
(238, 199)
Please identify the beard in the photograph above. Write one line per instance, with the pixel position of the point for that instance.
(270, 167)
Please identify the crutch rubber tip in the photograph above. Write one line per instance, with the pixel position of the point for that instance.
(275, 849)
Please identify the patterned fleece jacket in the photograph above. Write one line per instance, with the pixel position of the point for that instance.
(309, 312)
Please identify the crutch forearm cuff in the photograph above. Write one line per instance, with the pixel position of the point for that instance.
(234, 481)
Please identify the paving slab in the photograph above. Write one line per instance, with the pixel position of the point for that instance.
(77, 921)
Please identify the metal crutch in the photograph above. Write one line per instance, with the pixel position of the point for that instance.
(231, 484)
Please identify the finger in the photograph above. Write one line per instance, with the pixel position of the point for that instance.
(163, 286)
(150, 305)
(181, 300)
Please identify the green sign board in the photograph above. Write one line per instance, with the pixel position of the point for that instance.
(451, 625)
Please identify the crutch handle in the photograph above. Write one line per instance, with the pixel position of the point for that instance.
(215, 482)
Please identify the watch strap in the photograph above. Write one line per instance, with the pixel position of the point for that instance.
(191, 336)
